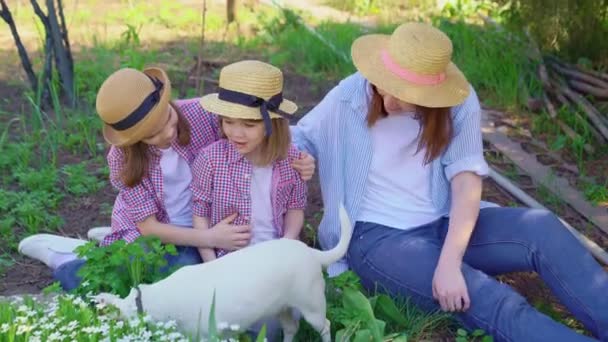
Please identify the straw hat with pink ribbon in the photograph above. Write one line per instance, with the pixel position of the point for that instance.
(413, 64)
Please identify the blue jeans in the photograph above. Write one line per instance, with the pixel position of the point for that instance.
(67, 274)
(401, 263)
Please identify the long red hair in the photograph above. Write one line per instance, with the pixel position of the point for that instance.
(435, 126)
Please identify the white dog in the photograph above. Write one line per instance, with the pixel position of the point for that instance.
(265, 280)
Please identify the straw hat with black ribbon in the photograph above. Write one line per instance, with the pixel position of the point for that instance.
(250, 90)
(413, 64)
(133, 104)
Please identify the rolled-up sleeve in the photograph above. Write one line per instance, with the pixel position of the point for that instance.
(201, 186)
(465, 151)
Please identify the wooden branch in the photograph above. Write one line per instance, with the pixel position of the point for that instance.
(582, 87)
(565, 102)
(539, 173)
(597, 251)
(565, 71)
(199, 58)
(26, 63)
(569, 131)
(587, 107)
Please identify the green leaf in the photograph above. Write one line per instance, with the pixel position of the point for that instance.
(401, 338)
(487, 338)
(461, 332)
(262, 334)
(386, 307)
(355, 300)
(364, 336)
(461, 339)
(213, 335)
(478, 333)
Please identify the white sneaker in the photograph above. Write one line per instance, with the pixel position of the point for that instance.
(98, 233)
(43, 247)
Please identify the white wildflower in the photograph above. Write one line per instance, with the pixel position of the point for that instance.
(100, 305)
(222, 326)
(85, 283)
(23, 329)
(35, 339)
(4, 328)
(235, 327)
(170, 324)
(72, 325)
(147, 319)
(56, 336)
(22, 308)
(120, 324)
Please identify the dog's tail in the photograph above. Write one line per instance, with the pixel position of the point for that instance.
(346, 231)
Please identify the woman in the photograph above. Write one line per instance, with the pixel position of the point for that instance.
(400, 144)
(154, 143)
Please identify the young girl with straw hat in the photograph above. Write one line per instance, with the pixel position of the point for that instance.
(154, 142)
(399, 142)
(249, 171)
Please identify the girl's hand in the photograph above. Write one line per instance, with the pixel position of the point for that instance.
(450, 288)
(305, 166)
(230, 237)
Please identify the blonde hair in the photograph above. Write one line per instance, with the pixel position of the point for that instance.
(274, 147)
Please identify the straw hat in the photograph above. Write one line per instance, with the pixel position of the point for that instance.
(133, 104)
(248, 89)
(413, 64)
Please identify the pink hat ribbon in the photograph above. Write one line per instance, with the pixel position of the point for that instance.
(409, 75)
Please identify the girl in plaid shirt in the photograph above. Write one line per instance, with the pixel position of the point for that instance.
(248, 173)
(154, 142)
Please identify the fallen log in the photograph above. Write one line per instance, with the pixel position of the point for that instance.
(565, 70)
(565, 128)
(592, 113)
(597, 251)
(585, 88)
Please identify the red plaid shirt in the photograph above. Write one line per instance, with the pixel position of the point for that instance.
(221, 182)
(145, 199)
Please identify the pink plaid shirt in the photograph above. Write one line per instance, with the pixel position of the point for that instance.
(145, 199)
(221, 182)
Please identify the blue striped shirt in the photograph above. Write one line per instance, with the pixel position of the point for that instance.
(335, 132)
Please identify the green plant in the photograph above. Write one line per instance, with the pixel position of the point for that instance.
(70, 318)
(476, 335)
(118, 267)
(79, 181)
(596, 193)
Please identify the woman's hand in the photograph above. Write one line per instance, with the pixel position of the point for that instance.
(450, 288)
(305, 166)
(230, 237)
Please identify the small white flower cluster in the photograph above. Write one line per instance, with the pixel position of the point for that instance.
(70, 318)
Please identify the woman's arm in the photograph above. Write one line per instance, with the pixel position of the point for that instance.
(466, 196)
(294, 221)
(449, 286)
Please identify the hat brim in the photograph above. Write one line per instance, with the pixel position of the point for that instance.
(152, 121)
(212, 103)
(366, 55)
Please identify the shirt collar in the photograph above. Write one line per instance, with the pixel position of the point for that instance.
(232, 154)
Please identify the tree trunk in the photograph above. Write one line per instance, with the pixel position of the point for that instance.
(231, 11)
(62, 53)
(5, 14)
